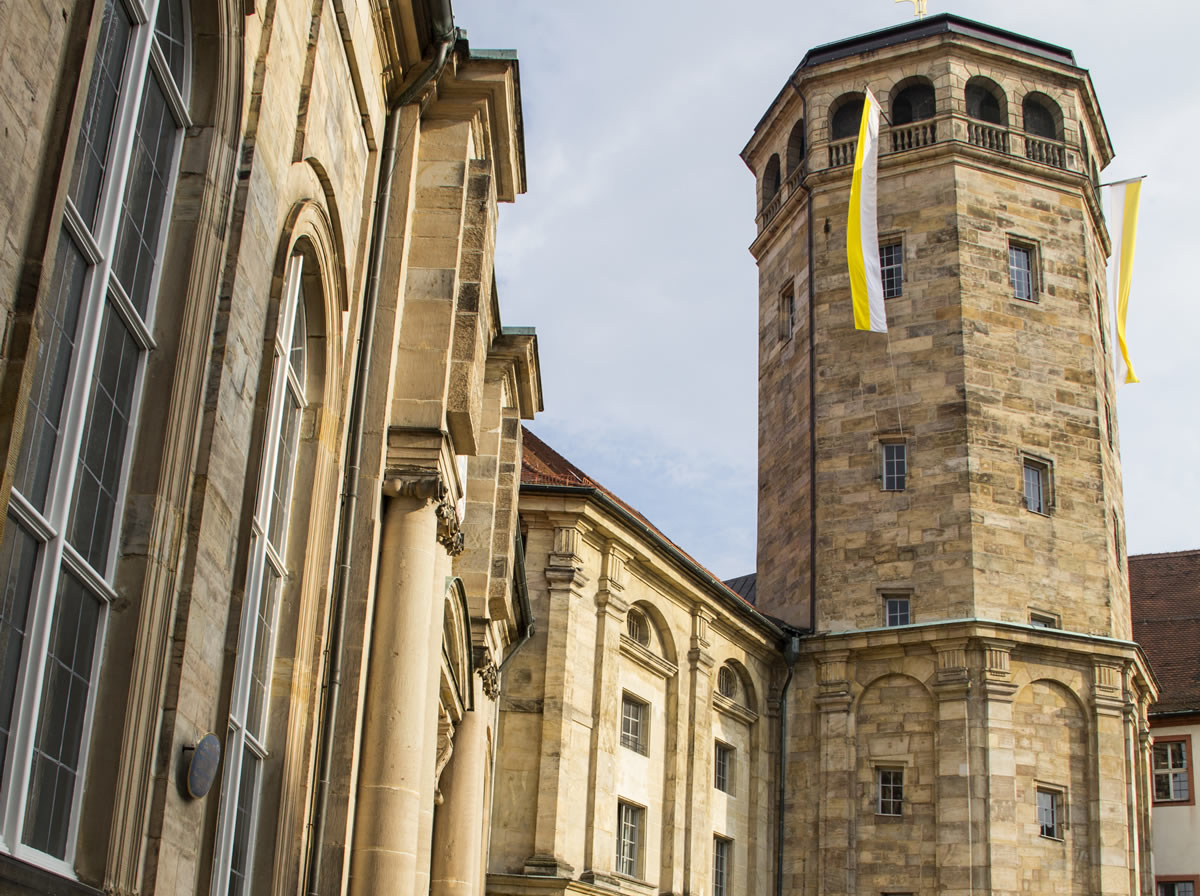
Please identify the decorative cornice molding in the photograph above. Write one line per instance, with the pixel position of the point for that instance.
(732, 708)
(652, 662)
(424, 485)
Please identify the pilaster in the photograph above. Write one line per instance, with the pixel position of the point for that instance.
(565, 581)
(1111, 832)
(955, 774)
(835, 815)
(1003, 858)
(697, 857)
(611, 611)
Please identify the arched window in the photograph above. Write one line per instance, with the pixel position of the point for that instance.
(637, 627)
(1041, 116)
(727, 683)
(795, 147)
(246, 748)
(771, 179)
(985, 101)
(847, 116)
(914, 102)
(94, 330)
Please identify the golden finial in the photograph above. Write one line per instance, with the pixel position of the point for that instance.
(918, 7)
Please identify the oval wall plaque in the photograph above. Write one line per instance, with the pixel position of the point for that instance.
(202, 770)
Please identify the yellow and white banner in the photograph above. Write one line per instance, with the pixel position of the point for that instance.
(1123, 214)
(862, 231)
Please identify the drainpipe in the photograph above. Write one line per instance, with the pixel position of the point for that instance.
(446, 34)
(791, 652)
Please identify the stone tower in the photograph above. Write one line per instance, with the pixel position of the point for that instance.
(941, 505)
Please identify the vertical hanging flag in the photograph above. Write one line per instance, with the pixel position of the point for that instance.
(862, 231)
(1123, 215)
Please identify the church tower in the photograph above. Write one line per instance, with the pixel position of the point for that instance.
(941, 505)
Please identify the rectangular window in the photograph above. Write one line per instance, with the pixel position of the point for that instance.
(896, 609)
(1043, 620)
(1172, 780)
(1036, 475)
(630, 824)
(891, 268)
(634, 725)
(787, 312)
(721, 862)
(1100, 321)
(723, 767)
(1185, 887)
(895, 466)
(1022, 270)
(1049, 811)
(889, 791)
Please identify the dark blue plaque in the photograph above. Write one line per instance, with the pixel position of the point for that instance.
(202, 769)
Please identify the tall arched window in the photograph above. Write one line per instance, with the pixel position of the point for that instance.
(985, 101)
(94, 332)
(246, 747)
(795, 148)
(771, 179)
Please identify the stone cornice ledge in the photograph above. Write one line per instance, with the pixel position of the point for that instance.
(724, 705)
(647, 660)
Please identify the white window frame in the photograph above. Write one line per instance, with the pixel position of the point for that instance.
(264, 558)
(722, 864)
(727, 682)
(631, 838)
(895, 288)
(1173, 770)
(48, 528)
(894, 470)
(1042, 502)
(724, 764)
(897, 609)
(1051, 805)
(1024, 280)
(635, 724)
(889, 791)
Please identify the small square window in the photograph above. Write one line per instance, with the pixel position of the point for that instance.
(889, 788)
(1043, 620)
(896, 610)
(1172, 778)
(1022, 270)
(787, 312)
(1050, 813)
(1036, 475)
(891, 268)
(634, 725)
(895, 466)
(722, 860)
(723, 768)
(630, 828)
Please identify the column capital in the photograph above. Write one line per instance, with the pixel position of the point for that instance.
(609, 603)
(701, 659)
(413, 482)
(612, 566)
(559, 577)
(833, 676)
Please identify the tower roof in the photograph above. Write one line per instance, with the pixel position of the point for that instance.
(922, 28)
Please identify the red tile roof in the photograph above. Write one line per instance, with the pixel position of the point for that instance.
(542, 465)
(1164, 593)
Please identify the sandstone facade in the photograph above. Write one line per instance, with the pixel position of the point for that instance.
(261, 421)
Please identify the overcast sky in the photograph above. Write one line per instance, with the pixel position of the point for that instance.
(629, 251)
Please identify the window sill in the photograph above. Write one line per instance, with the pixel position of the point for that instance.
(1052, 839)
(16, 874)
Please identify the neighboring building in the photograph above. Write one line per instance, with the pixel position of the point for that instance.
(954, 682)
(262, 429)
(1165, 592)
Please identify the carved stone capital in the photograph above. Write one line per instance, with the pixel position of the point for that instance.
(424, 485)
(489, 677)
(449, 535)
(952, 662)
(833, 674)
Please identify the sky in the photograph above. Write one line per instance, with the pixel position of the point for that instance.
(629, 252)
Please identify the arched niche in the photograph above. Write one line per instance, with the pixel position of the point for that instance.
(1041, 116)
(771, 179)
(796, 147)
(913, 100)
(845, 116)
(985, 101)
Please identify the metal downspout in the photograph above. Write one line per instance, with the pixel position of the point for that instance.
(446, 34)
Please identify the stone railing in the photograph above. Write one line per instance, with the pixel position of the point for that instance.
(987, 136)
(841, 152)
(1048, 152)
(913, 136)
(790, 186)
